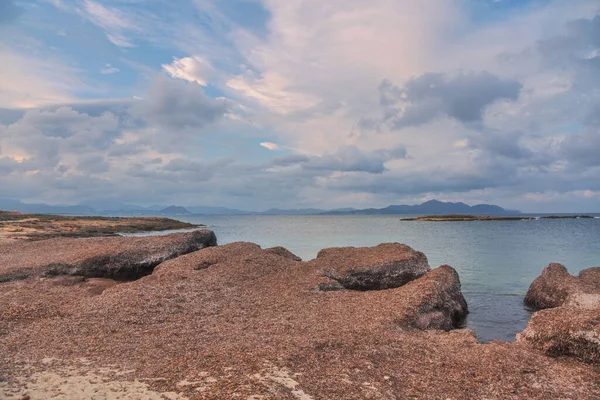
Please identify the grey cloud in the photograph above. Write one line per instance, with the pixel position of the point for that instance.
(345, 159)
(578, 48)
(65, 122)
(290, 159)
(582, 148)
(503, 144)
(176, 104)
(439, 180)
(463, 97)
(93, 164)
(179, 170)
(7, 165)
(46, 136)
(582, 37)
(125, 149)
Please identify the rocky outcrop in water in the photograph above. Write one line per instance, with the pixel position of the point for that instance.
(386, 266)
(569, 320)
(440, 304)
(555, 285)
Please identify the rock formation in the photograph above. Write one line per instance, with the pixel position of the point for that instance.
(120, 258)
(569, 320)
(237, 321)
(386, 266)
(282, 251)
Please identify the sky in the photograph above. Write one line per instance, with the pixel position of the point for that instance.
(255, 104)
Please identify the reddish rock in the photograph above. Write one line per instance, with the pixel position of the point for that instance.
(120, 258)
(565, 331)
(283, 252)
(386, 266)
(439, 301)
(553, 287)
(569, 321)
(249, 324)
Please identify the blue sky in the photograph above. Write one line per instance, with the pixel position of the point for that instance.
(301, 103)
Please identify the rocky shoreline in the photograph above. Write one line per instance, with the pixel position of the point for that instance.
(24, 226)
(179, 317)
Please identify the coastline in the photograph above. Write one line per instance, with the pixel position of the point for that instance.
(26, 226)
(207, 321)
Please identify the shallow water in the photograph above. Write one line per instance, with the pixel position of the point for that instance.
(496, 260)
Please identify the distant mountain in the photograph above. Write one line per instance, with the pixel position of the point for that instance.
(174, 210)
(116, 208)
(433, 207)
(295, 211)
(205, 210)
(17, 205)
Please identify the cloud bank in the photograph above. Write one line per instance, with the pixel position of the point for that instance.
(302, 103)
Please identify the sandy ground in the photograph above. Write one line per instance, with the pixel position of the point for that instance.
(81, 383)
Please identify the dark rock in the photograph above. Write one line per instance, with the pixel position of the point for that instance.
(385, 266)
(133, 264)
(283, 252)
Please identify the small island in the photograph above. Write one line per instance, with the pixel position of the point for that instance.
(463, 217)
(16, 225)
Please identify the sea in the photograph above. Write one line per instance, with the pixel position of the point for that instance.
(496, 260)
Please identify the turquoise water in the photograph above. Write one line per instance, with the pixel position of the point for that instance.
(496, 260)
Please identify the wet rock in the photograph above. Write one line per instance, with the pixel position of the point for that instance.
(386, 266)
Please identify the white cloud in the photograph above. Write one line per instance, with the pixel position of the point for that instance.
(270, 146)
(192, 69)
(112, 21)
(109, 69)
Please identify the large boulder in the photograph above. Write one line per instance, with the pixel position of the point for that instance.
(437, 301)
(569, 321)
(386, 266)
(553, 287)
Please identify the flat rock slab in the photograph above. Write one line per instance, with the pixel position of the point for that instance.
(386, 266)
(120, 258)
